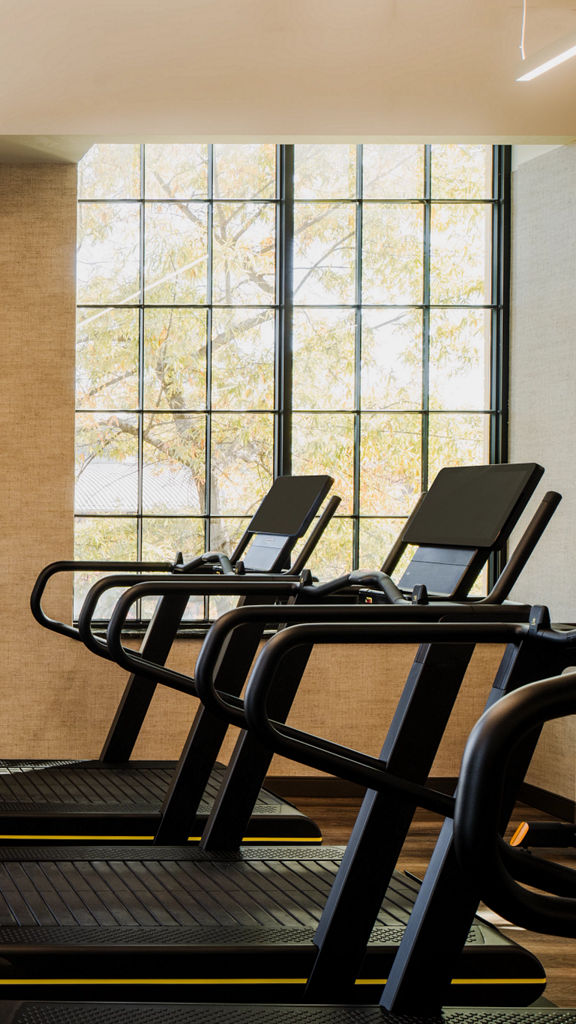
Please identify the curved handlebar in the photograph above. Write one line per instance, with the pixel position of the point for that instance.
(382, 582)
(328, 614)
(209, 559)
(361, 578)
(313, 750)
(479, 846)
(53, 568)
(235, 585)
(92, 642)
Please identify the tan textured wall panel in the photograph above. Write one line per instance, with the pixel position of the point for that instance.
(37, 242)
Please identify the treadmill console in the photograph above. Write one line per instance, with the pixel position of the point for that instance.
(265, 551)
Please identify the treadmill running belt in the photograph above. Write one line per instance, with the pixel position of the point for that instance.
(139, 916)
(95, 798)
(214, 1013)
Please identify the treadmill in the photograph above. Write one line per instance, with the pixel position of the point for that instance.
(175, 923)
(115, 799)
(476, 835)
(112, 797)
(476, 506)
(482, 859)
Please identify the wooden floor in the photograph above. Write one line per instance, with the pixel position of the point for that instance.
(336, 818)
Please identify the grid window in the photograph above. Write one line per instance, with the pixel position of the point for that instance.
(251, 310)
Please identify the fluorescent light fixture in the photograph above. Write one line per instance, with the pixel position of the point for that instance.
(549, 57)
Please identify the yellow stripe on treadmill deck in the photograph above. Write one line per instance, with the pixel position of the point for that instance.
(244, 981)
(289, 841)
(153, 981)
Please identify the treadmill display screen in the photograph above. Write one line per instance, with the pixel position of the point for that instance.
(469, 506)
(290, 505)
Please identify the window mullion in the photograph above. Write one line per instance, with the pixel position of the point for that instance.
(426, 318)
(209, 327)
(284, 315)
(357, 361)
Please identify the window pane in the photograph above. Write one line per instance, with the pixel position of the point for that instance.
(176, 171)
(161, 540)
(173, 473)
(245, 171)
(376, 539)
(176, 253)
(325, 172)
(243, 359)
(392, 256)
(99, 539)
(325, 444)
(110, 172)
(225, 533)
(106, 463)
(102, 540)
(333, 556)
(174, 359)
(107, 359)
(324, 347)
(393, 172)
(459, 440)
(220, 604)
(461, 256)
(391, 359)
(461, 172)
(244, 254)
(324, 250)
(242, 461)
(390, 462)
(108, 253)
(459, 359)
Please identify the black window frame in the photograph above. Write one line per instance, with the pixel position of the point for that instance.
(283, 306)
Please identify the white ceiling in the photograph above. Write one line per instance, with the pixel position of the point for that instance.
(74, 71)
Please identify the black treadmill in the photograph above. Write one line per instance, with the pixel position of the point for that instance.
(113, 798)
(419, 1000)
(163, 922)
(479, 505)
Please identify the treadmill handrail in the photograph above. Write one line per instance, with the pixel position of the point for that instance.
(135, 662)
(524, 548)
(479, 846)
(315, 534)
(163, 586)
(67, 629)
(211, 648)
(282, 585)
(390, 614)
(293, 743)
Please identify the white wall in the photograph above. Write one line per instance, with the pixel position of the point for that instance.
(543, 396)
(543, 358)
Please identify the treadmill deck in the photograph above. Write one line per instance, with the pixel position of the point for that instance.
(128, 918)
(226, 1013)
(91, 801)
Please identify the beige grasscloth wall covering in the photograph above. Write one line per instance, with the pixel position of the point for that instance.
(57, 700)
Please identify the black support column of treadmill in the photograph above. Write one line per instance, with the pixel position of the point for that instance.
(139, 689)
(244, 777)
(447, 902)
(409, 750)
(206, 736)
